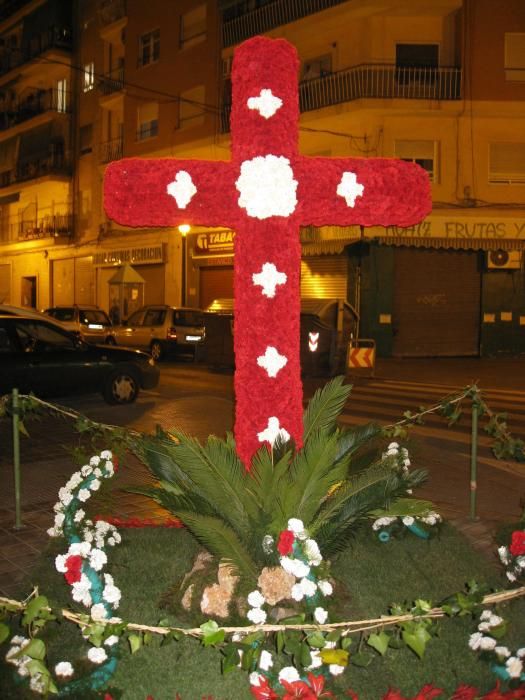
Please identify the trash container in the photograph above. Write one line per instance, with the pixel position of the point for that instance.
(327, 326)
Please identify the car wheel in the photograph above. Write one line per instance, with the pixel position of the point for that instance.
(110, 340)
(157, 351)
(121, 387)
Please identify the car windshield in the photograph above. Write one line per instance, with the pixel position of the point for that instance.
(94, 316)
(187, 318)
(62, 314)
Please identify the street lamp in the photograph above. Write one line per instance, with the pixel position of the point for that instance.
(184, 229)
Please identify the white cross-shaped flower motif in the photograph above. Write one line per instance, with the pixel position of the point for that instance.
(267, 187)
(266, 103)
(273, 431)
(268, 279)
(349, 188)
(272, 361)
(182, 189)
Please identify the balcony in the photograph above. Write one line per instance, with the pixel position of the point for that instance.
(111, 150)
(9, 7)
(112, 82)
(49, 226)
(265, 18)
(373, 81)
(54, 38)
(110, 11)
(32, 105)
(53, 162)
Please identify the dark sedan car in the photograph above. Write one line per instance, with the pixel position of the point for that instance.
(38, 356)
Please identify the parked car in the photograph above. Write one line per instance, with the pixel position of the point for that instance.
(163, 329)
(89, 322)
(11, 310)
(38, 356)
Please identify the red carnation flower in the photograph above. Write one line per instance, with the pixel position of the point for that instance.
(74, 568)
(285, 544)
(517, 545)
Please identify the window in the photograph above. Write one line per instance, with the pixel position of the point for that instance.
(62, 105)
(515, 56)
(147, 120)
(191, 107)
(416, 62)
(193, 26)
(154, 317)
(89, 77)
(424, 153)
(86, 139)
(149, 48)
(507, 163)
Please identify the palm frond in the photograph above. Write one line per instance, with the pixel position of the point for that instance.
(221, 541)
(268, 477)
(324, 408)
(352, 439)
(161, 457)
(402, 507)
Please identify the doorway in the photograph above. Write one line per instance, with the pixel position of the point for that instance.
(28, 295)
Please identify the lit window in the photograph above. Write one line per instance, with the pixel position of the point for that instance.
(507, 163)
(193, 26)
(149, 48)
(515, 56)
(424, 153)
(89, 77)
(191, 107)
(147, 120)
(62, 99)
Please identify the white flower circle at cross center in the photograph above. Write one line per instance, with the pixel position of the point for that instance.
(267, 187)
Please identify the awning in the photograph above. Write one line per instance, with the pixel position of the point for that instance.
(455, 243)
(9, 198)
(328, 240)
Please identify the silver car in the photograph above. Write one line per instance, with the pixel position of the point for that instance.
(163, 329)
(89, 323)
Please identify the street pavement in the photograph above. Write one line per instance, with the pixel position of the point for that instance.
(200, 402)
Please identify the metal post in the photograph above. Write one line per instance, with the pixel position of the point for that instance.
(473, 461)
(16, 458)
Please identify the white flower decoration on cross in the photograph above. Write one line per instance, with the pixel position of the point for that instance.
(268, 279)
(266, 103)
(267, 187)
(272, 361)
(182, 189)
(349, 188)
(273, 431)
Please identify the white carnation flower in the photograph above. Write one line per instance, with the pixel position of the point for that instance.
(94, 461)
(86, 470)
(297, 592)
(110, 469)
(325, 587)
(94, 485)
(97, 655)
(60, 563)
(54, 532)
(106, 454)
(313, 553)
(97, 559)
(98, 611)
(295, 525)
(514, 667)
(255, 679)
(502, 652)
(408, 520)
(79, 515)
(256, 599)
(84, 494)
(317, 661)
(308, 587)
(475, 640)
(82, 548)
(111, 640)
(59, 519)
(335, 669)
(393, 446)
(111, 541)
(112, 595)
(289, 674)
(487, 644)
(265, 660)
(320, 615)
(504, 554)
(521, 653)
(74, 480)
(257, 616)
(64, 669)
(295, 567)
(511, 576)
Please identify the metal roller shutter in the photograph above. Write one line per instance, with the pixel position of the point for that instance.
(324, 277)
(84, 283)
(436, 306)
(154, 283)
(215, 283)
(63, 282)
(5, 284)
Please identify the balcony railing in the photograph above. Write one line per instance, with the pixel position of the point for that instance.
(54, 162)
(54, 38)
(111, 150)
(51, 225)
(110, 11)
(275, 14)
(112, 82)
(34, 104)
(373, 81)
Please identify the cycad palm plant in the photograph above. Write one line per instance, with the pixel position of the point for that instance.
(331, 484)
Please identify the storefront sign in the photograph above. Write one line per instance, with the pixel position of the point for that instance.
(213, 243)
(454, 228)
(133, 256)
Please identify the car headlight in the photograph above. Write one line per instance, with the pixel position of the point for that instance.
(151, 362)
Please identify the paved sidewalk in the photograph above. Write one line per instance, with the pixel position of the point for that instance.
(199, 415)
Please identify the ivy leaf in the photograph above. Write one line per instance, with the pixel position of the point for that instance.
(212, 633)
(279, 642)
(362, 659)
(316, 640)
(135, 642)
(33, 609)
(231, 658)
(36, 649)
(379, 642)
(417, 640)
(4, 632)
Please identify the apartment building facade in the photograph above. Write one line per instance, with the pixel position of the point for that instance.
(442, 85)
